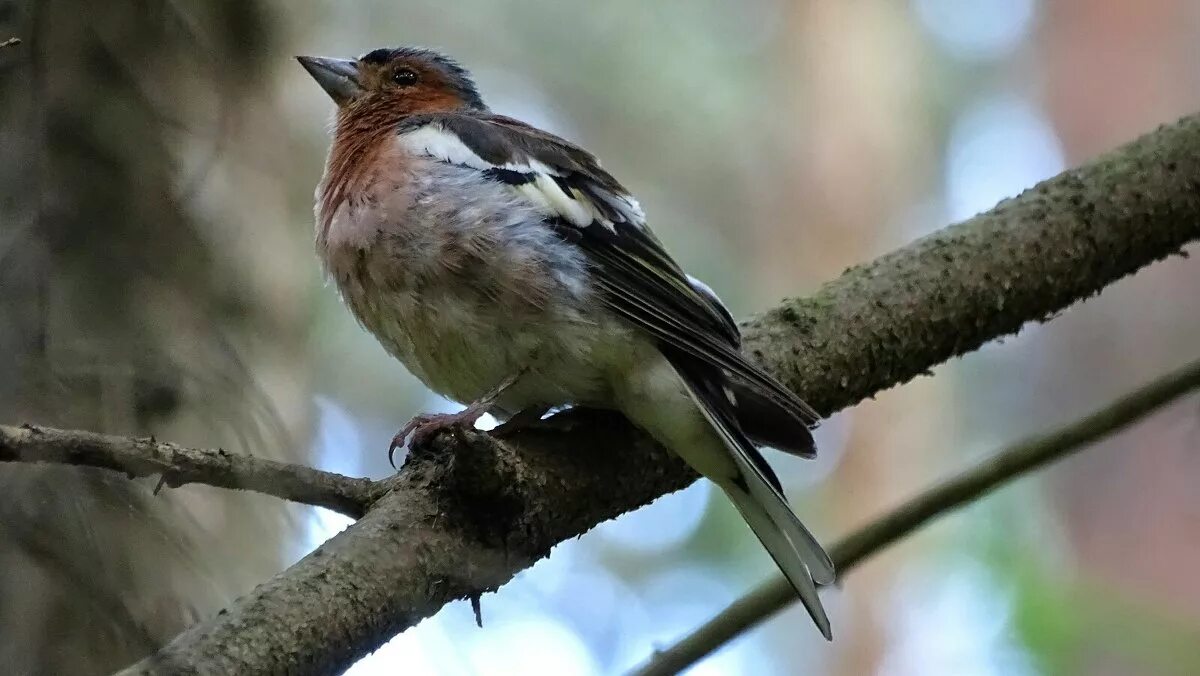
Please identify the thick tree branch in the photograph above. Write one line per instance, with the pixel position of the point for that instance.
(466, 517)
(177, 465)
(1003, 467)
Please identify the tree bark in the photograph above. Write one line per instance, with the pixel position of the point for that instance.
(177, 465)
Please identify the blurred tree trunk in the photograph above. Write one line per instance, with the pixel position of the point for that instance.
(1125, 517)
(116, 314)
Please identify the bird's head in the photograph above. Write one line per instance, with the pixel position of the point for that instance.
(395, 81)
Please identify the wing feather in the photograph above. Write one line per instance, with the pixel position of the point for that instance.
(587, 206)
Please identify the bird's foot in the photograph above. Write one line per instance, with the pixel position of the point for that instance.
(423, 428)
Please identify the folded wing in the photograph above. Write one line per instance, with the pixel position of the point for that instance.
(587, 206)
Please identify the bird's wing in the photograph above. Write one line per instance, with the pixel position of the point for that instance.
(585, 205)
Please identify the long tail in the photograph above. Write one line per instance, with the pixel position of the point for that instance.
(757, 494)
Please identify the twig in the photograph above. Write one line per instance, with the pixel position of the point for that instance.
(1007, 465)
(11, 42)
(469, 517)
(178, 465)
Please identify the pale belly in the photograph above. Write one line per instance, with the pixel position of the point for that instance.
(463, 347)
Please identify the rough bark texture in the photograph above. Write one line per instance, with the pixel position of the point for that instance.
(464, 518)
(885, 322)
(177, 465)
(461, 519)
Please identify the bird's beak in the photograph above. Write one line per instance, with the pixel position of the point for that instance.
(338, 77)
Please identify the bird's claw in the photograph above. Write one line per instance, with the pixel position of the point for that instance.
(423, 428)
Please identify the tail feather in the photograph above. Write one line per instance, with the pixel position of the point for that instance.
(757, 496)
(792, 563)
(769, 423)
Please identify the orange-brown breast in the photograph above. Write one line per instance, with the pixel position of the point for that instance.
(361, 135)
(359, 149)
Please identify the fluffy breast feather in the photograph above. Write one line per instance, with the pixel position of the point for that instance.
(460, 280)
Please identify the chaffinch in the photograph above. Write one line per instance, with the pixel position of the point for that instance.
(511, 273)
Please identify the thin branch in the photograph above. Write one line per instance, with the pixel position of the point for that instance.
(467, 516)
(1005, 466)
(11, 42)
(178, 465)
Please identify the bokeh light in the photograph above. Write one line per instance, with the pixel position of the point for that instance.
(977, 29)
(953, 619)
(998, 147)
(663, 524)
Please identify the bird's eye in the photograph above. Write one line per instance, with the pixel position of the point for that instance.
(404, 77)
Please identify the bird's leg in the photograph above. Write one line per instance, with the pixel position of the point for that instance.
(423, 428)
(519, 421)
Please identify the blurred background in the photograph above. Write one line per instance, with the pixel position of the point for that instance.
(157, 162)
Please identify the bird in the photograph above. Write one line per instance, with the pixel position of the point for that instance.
(511, 273)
